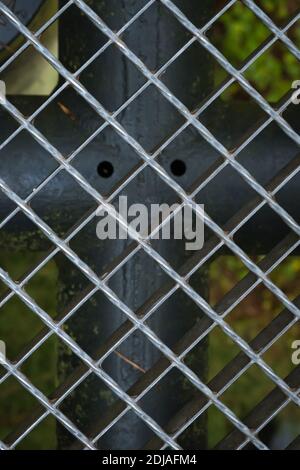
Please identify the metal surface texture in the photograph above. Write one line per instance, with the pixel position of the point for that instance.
(136, 100)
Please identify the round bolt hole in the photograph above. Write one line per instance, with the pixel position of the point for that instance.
(105, 169)
(178, 167)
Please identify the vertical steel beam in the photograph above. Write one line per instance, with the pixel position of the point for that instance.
(154, 37)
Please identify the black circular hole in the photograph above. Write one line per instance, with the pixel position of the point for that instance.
(178, 167)
(105, 169)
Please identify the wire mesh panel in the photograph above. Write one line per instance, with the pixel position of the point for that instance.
(76, 148)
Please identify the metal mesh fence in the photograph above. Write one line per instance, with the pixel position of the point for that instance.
(285, 391)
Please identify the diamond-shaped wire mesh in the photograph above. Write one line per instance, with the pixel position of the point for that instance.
(286, 391)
